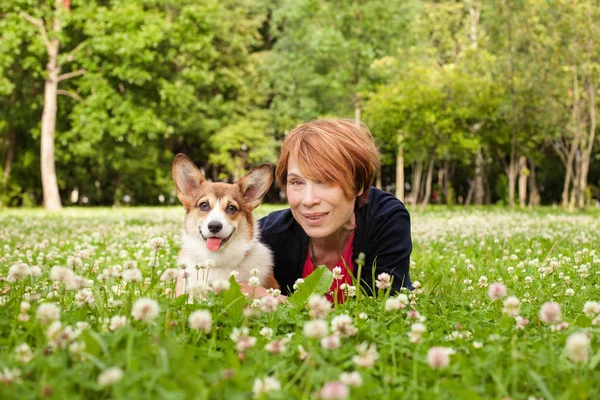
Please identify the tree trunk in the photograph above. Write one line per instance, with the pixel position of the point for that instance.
(10, 152)
(441, 182)
(575, 143)
(523, 173)
(478, 188)
(400, 173)
(357, 108)
(576, 192)
(534, 192)
(447, 178)
(49, 182)
(511, 173)
(416, 186)
(428, 183)
(587, 151)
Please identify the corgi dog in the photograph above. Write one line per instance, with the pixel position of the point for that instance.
(219, 226)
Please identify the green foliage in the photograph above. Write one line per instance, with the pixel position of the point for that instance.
(456, 256)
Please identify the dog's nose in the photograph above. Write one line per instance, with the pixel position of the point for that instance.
(215, 226)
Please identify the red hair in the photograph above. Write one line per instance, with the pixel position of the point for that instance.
(332, 150)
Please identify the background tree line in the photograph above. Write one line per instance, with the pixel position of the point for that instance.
(471, 102)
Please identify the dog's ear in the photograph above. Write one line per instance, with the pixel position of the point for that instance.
(187, 178)
(255, 185)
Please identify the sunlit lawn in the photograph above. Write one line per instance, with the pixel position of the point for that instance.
(447, 339)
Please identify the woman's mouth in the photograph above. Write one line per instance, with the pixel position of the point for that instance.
(315, 219)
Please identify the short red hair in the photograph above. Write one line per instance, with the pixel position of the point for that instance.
(332, 150)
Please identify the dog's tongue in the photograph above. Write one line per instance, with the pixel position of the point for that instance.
(213, 243)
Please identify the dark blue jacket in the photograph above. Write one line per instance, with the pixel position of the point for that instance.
(383, 234)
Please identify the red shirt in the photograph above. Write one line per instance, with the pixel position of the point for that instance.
(344, 262)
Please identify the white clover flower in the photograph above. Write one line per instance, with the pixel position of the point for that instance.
(23, 353)
(351, 378)
(132, 275)
(511, 306)
(570, 292)
(318, 306)
(276, 346)
(334, 390)
(578, 347)
(18, 272)
(254, 281)
(298, 283)
(61, 274)
(483, 281)
(269, 304)
(110, 376)
(169, 274)
(157, 242)
(145, 310)
(235, 274)
(254, 272)
(264, 386)
(337, 273)
(199, 290)
(83, 297)
(117, 321)
(331, 342)
(367, 355)
(220, 285)
(201, 320)
(384, 280)
(497, 291)
(48, 312)
(439, 357)
(242, 339)
(393, 303)
(521, 322)
(266, 332)
(316, 328)
(9, 376)
(550, 313)
(591, 308)
(342, 325)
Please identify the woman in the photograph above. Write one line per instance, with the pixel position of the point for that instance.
(326, 167)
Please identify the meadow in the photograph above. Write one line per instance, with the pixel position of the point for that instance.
(505, 306)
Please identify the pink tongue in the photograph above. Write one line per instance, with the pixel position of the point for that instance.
(213, 243)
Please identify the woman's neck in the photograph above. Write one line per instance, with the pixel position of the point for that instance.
(332, 246)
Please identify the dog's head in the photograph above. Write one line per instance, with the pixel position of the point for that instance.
(218, 212)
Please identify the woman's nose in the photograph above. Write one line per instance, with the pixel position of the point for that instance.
(311, 196)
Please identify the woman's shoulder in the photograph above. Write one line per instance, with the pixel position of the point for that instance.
(381, 204)
(276, 222)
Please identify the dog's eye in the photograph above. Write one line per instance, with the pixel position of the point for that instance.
(204, 206)
(231, 209)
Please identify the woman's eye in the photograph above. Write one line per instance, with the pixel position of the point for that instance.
(204, 206)
(231, 209)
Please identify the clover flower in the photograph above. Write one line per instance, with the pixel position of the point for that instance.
(578, 347)
(110, 376)
(316, 328)
(439, 357)
(383, 281)
(264, 386)
(497, 290)
(550, 313)
(145, 310)
(201, 320)
(334, 390)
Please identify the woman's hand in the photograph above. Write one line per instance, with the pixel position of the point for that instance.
(256, 292)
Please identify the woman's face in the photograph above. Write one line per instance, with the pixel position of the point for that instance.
(321, 209)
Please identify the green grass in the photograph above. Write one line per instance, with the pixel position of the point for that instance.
(532, 252)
